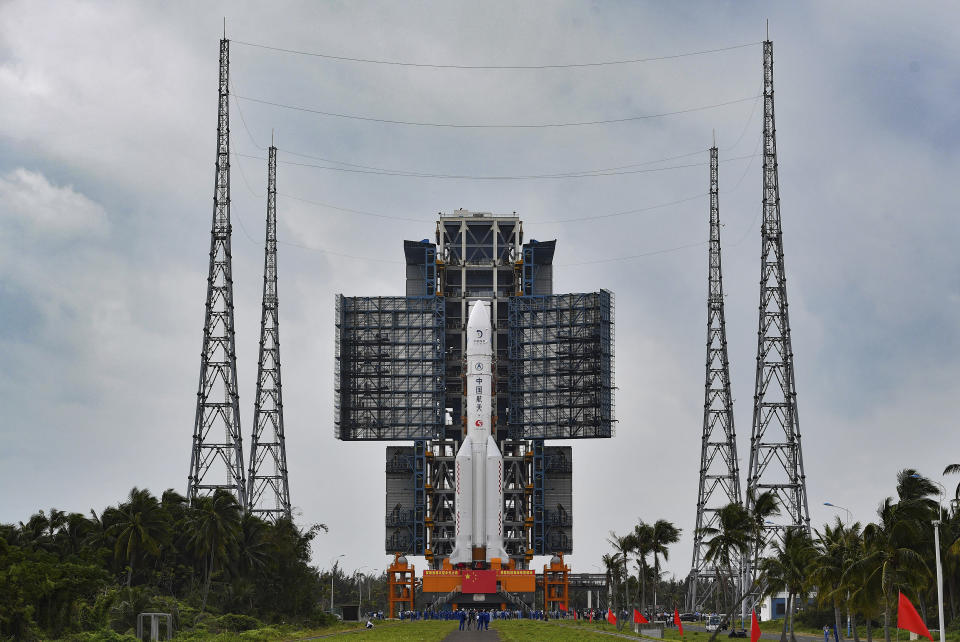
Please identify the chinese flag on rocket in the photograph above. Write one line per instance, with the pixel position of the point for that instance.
(479, 581)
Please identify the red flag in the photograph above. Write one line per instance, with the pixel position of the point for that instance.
(591, 615)
(754, 628)
(575, 614)
(909, 619)
(676, 620)
(562, 606)
(638, 617)
(611, 618)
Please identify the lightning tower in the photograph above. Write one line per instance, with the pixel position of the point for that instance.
(719, 467)
(216, 459)
(268, 494)
(776, 460)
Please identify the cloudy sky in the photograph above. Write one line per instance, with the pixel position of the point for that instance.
(107, 132)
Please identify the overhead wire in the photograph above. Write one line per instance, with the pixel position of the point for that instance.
(401, 63)
(746, 232)
(538, 222)
(414, 123)
(554, 175)
(506, 177)
(356, 168)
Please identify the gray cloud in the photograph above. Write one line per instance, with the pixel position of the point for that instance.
(106, 163)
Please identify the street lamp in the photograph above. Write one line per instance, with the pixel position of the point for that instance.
(849, 522)
(360, 585)
(847, 510)
(331, 578)
(936, 544)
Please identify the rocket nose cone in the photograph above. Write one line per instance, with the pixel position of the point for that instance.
(479, 330)
(479, 313)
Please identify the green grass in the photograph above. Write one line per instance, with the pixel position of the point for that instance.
(406, 631)
(522, 630)
(267, 633)
(603, 625)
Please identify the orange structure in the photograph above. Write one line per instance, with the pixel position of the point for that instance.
(401, 582)
(556, 585)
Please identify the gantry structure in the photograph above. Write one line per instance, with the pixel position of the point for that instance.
(719, 466)
(399, 377)
(216, 459)
(776, 458)
(268, 494)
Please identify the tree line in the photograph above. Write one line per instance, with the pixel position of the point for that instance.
(64, 573)
(841, 568)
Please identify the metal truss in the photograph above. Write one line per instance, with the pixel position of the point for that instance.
(517, 499)
(776, 460)
(719, 467)
(390, 377)
(561, 366)
(441, 522)
(216, 459)
(268, 494)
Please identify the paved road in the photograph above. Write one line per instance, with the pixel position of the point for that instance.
(723, 636)
(473, 636)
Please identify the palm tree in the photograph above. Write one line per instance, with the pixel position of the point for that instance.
(741, 534)
(622, 546)
(139, 527)
(891, 556)
(213, 527)
(727, 543)
(664, 533)
(74, 534)
(612, 566)
(833, 553)
(786, 571)
(953, 469)
(33, 534)
(864, 593)
(642, 546)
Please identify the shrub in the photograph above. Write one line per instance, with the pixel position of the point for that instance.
(236, 622)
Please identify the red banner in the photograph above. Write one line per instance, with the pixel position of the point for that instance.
(479, 581)
(910, 620)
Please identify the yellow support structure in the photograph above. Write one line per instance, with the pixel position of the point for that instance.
(556, 585)
(401, 585)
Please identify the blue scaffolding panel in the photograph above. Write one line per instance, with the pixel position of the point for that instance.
(390, 378)
(561, 374)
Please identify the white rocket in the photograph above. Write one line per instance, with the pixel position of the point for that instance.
(479, 464)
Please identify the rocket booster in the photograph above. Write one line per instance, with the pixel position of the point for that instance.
(479, 463)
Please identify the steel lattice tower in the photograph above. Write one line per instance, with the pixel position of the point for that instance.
(217, 457)
(719, 467)
(776, 460)
(268, 494)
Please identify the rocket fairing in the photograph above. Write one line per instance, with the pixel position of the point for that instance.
(479, 463)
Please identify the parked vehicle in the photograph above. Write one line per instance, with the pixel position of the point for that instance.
(715, 622)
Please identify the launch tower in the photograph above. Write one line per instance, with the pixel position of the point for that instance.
(216, 459)
(719, 467)
(401, 376)
(776, 458)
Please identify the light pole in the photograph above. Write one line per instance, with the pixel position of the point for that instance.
(846, 510)
(849, 522)
(331, 578)
(936, 544)
(360, 586)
